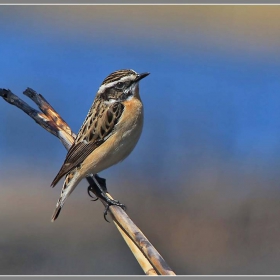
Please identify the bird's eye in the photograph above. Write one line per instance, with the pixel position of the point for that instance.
(120, 85)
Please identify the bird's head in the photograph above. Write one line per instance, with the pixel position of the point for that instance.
(121, 85)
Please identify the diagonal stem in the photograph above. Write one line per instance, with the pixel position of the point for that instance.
(148, 257)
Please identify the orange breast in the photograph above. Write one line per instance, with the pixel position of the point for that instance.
(118, 146)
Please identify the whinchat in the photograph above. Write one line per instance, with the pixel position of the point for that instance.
(109, 133)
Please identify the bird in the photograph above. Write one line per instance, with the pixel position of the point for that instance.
(108, 135)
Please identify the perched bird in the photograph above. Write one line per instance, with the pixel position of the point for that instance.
(109, 133)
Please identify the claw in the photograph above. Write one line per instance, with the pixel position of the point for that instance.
(101, 192)
(89, 193)
(112, 202)
(106, 212)
(109, 203)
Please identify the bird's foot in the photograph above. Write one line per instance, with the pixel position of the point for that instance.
(98, 188)
(111, 202)
(89, 191)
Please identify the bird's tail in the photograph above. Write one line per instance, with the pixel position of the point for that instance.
(70, 182)
(56, 212)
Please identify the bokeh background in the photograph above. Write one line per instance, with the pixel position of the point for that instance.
(203, 183)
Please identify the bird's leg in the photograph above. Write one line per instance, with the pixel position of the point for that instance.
(98, 181)
(99, 188)
(99, 185)
(93, 188)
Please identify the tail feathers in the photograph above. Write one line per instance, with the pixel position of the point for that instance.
(56, 213)
(71, 181)
(59, 204)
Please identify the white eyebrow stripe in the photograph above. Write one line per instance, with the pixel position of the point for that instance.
(123, 79)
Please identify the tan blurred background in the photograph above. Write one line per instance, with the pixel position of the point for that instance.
(203, 182)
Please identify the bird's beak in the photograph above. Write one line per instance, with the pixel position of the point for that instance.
(141, 76)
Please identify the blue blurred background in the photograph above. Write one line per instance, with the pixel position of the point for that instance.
(203, 181)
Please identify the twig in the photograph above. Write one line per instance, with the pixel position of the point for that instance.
(48, 110)
(37, 116)
(147, 256)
